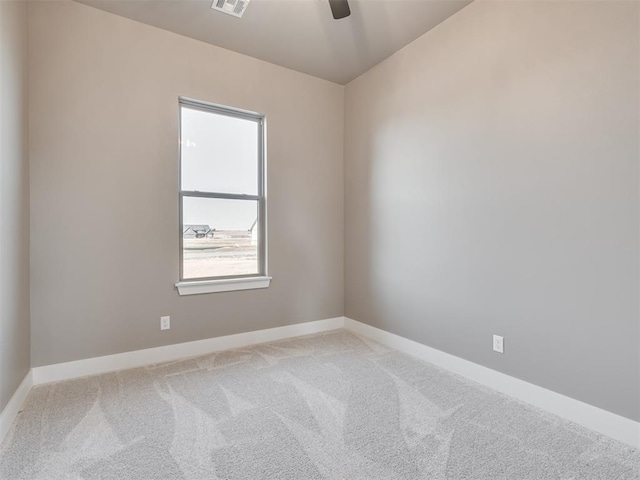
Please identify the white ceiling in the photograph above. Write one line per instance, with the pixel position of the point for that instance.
(297, 34)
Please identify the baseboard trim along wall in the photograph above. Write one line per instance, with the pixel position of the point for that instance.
(14, 406)
(594, 418)
(602, 421)
(140, 358)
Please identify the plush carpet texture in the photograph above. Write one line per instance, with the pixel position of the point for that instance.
(327, 406)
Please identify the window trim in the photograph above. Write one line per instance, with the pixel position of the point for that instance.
(196, 287)
(190, 286)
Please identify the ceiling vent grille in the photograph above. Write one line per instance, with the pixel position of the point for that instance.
(231, 7)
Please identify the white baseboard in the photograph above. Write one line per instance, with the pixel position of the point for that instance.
(14, 406)
(594, 418)
(139, 358)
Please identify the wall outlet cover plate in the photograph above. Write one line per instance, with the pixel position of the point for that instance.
(498, 344)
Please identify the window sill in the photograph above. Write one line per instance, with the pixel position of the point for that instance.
(198, 287)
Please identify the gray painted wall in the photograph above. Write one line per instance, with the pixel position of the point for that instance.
(104, 210)
(14, 199)
(491, 186)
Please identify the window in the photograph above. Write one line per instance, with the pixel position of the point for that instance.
(222, 199)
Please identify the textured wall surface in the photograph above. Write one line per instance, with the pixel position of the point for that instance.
(491, 185)
(104, 163)
(14, 198)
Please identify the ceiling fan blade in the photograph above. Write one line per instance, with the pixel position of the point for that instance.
(339, 8)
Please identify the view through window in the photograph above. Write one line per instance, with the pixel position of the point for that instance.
(222, 192)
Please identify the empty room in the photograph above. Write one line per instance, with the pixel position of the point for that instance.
(319, 239)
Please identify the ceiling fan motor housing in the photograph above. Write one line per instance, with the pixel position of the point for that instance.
(339, 8)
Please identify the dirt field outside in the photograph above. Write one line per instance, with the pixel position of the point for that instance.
(227, 253)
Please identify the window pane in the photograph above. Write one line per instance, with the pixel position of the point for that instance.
(219, 153)
(219, 237)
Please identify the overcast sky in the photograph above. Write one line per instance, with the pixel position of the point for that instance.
(219, 154)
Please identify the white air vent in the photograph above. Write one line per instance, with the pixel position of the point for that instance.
(231, 7)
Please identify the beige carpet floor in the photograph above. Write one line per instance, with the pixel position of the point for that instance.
(327, 406)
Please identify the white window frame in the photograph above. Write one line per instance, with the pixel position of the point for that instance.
(197, 286)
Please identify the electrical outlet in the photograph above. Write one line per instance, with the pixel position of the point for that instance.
(165, 323)
(498, 344)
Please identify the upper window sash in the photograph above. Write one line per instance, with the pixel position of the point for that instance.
(243, 142)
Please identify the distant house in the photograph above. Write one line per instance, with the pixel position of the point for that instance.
(197, 231)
